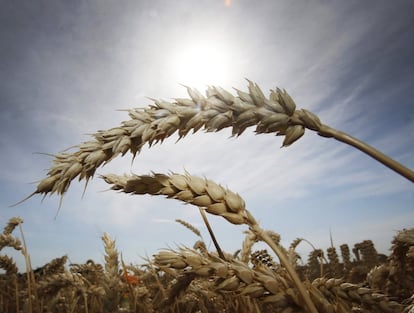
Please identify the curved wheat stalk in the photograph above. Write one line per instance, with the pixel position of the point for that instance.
(217, 110)
(215, 199)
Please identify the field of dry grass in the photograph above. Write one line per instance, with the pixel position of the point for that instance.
(194, 279)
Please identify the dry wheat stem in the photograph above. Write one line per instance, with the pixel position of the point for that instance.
(210, 231)
(326, 131)
(31, 284)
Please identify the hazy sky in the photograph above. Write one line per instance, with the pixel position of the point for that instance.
(67, 67)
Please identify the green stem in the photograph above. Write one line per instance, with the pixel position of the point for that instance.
(329, 132)
(285, 262)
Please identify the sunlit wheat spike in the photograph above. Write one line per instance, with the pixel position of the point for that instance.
(217, 110)
(189, 189)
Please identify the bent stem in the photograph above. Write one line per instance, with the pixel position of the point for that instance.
(329, 132)
(285, 262)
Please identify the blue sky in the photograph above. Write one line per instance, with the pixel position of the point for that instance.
(68, 67)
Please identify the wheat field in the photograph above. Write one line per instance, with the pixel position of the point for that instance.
(195, 279)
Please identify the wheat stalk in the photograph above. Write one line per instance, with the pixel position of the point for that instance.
(7, 263)
(198, 191)
(12, 224)
(330, 295)
(214, 198)
(31, 282)
(333, 289)
(217, 110)
(57, 265)
(232, 275)
(54, 282)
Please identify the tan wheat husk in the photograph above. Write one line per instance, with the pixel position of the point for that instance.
(217, 110)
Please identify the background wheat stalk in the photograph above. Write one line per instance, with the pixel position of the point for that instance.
(217, 110)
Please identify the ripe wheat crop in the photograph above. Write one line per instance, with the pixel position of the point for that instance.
(196, 279)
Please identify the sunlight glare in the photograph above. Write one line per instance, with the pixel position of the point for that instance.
(201, 64)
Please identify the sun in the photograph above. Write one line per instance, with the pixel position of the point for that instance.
(201, 64)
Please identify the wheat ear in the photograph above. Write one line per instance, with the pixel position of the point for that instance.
(214, 198)
(217, 110)
(351, 293)
(189, 226)
(112, 276)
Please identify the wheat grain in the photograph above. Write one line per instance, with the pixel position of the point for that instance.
(315, 264)
(8, 264)
(52, 283)
(232, 275)
(10, 241)
(12, 224)
(247, 246)
(112, 274)
(111, 257)
(333, 265)
(218, 110)
(92, 272)
(334, 289)
(262, 257)
(55, 266)
(377, 277)
(237, 277)
(368, 253)
(291, 252)
(190, 189)
(401, 266)
(346, 258)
